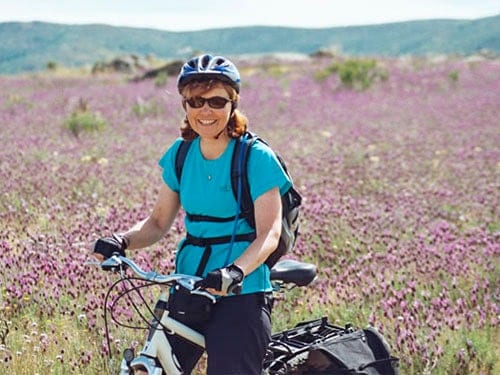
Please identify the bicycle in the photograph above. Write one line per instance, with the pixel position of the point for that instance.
(286, 352)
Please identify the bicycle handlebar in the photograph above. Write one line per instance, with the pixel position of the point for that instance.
(285, 271)
(117, 263)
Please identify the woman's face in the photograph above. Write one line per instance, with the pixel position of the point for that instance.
(206, 121)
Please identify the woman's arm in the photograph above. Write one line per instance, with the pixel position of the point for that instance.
(268, 230)
(153, 228)
(268, 227)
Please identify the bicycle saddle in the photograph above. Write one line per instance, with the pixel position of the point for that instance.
(293, 271)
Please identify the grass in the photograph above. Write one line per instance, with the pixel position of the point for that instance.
(399, 183)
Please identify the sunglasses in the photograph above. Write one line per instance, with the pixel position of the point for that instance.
(215, 102)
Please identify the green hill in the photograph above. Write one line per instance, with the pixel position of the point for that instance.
(29, 46)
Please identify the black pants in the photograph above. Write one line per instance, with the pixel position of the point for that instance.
(236, 337)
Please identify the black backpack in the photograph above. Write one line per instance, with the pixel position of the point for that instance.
(291, 200)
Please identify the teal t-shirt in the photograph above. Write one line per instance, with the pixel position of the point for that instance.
(205, 189)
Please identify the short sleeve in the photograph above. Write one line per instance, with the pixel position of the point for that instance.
(167, 163)
(265, 171)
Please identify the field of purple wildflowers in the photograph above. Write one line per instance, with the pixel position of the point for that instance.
(401, 205)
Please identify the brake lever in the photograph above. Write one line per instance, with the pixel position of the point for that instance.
(114, 264)
(194, 287)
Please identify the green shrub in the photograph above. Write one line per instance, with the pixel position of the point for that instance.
(80, 122)
(142, 108)
(322, 74)
(161, 79)
(84, 120)
(14, 100)
(453, 76)
(356, 73)
(52, 65)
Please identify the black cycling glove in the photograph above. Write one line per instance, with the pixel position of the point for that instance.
(227, 279)
(107, 246)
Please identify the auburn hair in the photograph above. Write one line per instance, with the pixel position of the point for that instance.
(238, 122)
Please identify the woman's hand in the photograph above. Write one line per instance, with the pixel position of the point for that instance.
(105, 247)
(223, 281)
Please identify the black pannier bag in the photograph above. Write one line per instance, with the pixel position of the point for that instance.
(319, 348)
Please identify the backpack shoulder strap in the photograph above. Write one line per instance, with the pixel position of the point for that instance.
(242, 149)
(180, 157)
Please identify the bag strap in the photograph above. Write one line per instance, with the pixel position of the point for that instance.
(241, 155)
(239, 170)
(180, 157)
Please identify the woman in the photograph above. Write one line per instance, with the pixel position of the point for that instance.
(239, 327)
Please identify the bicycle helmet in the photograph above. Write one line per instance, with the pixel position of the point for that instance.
(209, 67)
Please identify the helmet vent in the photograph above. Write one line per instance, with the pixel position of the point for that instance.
(205, 60)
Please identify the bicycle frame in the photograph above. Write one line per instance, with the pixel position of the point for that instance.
(157, 346)
(157, 357)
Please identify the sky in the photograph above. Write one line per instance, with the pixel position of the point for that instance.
(190, 15)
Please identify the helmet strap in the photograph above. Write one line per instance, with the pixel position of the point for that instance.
(220, 133)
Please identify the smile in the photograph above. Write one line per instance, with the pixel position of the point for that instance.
(207, 122)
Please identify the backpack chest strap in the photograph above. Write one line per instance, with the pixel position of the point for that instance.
(207, 244)
(202, 242)
(215, 219)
